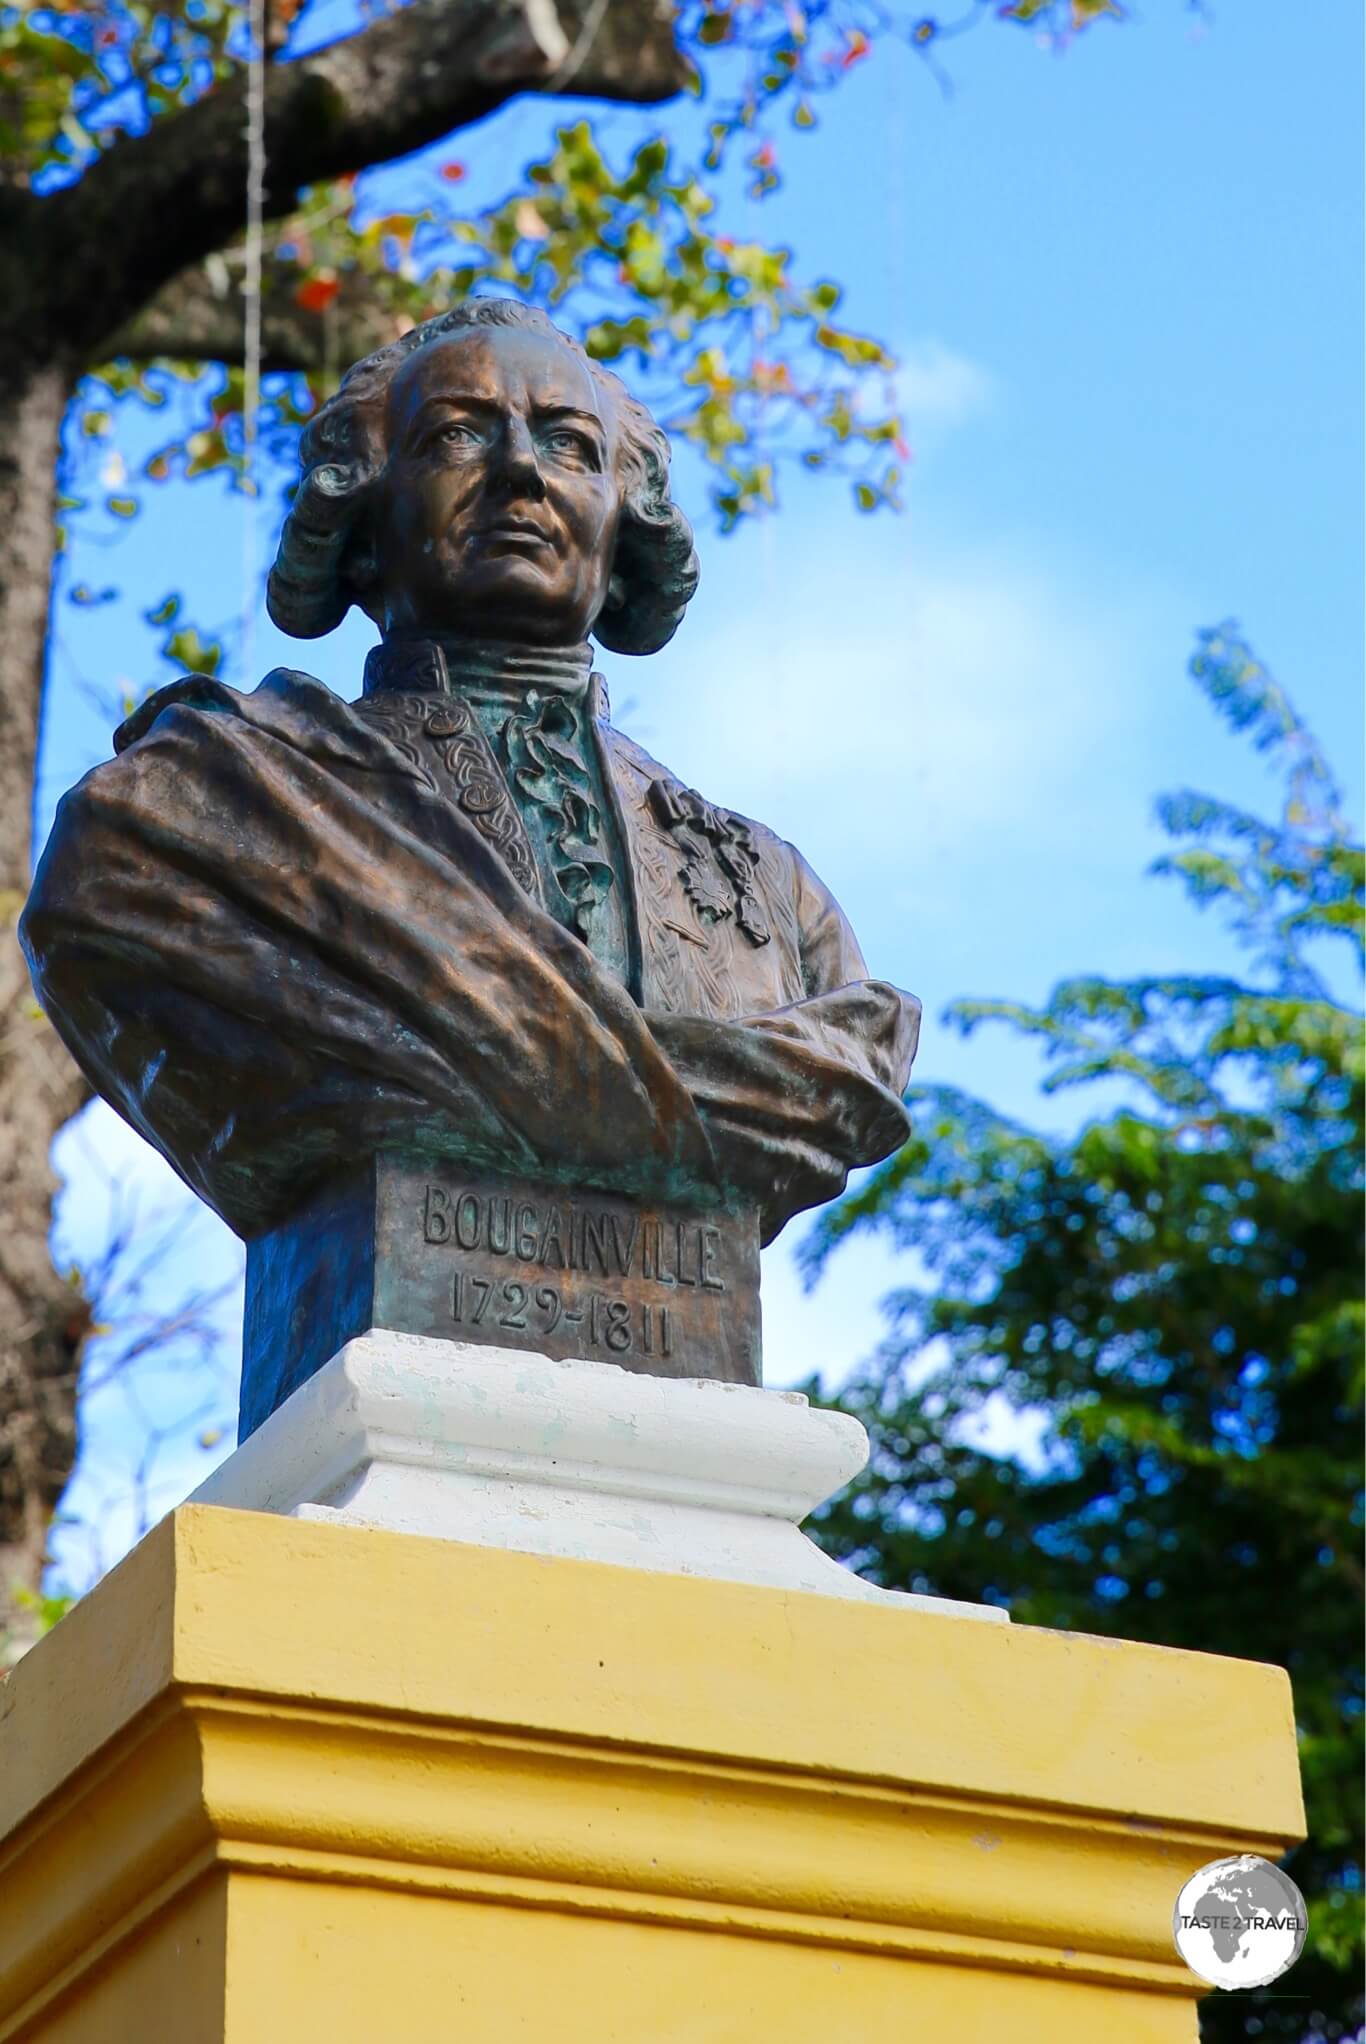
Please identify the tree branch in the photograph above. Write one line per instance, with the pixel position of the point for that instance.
(155, 204)
(198, 317)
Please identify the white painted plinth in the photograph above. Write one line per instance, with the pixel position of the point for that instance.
(581, 1459)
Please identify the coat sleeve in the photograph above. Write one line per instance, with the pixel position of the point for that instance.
(796, 1099)
(830, 953)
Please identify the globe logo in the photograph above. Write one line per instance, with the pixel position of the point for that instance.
(1240, 1922)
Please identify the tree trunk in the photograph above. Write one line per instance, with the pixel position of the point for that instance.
(43, 1317)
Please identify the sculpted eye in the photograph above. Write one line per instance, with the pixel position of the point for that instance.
(453, 434)
(565, 440)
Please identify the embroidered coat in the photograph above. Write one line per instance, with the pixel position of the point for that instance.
(279, 931)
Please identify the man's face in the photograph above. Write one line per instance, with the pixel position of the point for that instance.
(500, 499)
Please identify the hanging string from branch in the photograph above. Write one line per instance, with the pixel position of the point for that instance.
(251, 321)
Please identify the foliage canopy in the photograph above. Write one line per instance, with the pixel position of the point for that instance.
(751, 364)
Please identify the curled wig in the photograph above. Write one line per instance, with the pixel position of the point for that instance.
(323, 565)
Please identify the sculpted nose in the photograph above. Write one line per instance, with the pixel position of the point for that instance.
(519, 471)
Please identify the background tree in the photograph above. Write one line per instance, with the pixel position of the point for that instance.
(124, 168)
(1168, 1305)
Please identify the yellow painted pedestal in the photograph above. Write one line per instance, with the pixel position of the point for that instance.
(279, 1780)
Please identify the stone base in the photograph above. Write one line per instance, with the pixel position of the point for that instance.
(577, 1459)
(277, 1782)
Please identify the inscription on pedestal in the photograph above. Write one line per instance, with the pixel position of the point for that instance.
(652, 1289)
(417, 1248)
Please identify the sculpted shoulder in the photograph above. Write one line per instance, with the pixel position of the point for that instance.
(169, 754)
(286, 699)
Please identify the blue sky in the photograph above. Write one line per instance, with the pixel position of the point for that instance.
(1124, 285)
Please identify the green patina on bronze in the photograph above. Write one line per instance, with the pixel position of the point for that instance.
(463, 926)
(547, 757)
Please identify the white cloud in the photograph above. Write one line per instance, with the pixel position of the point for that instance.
(903, 711)
(936, 387)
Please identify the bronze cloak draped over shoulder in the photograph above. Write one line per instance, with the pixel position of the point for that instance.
(281, 932)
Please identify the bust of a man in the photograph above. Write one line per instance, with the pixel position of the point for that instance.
(462, 919)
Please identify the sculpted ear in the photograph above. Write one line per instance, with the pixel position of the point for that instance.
(360, 564)
(362, 569)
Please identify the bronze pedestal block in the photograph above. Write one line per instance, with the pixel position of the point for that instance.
(415, 1247)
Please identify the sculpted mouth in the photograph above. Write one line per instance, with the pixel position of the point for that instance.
(514, 529)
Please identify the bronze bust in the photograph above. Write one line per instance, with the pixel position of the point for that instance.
(462, 939)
